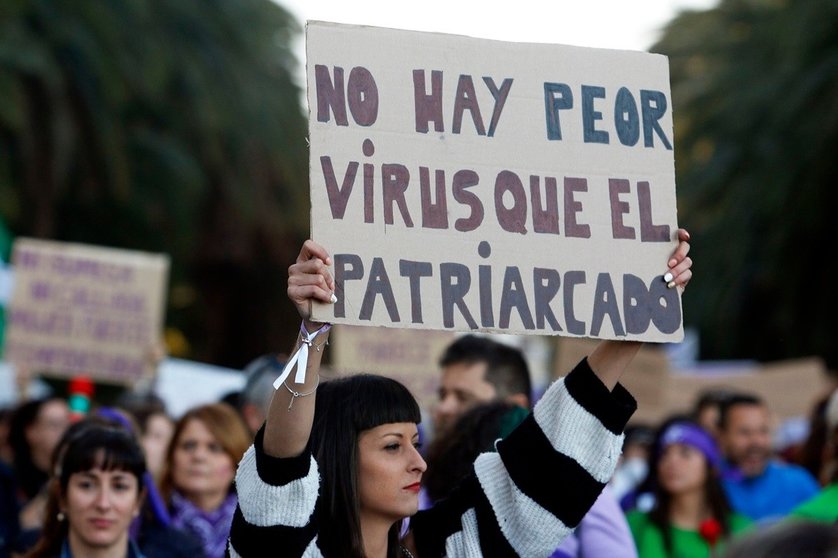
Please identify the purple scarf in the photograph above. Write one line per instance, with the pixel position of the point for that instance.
(210, 528)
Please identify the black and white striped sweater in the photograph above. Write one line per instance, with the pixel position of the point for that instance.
(521, 501)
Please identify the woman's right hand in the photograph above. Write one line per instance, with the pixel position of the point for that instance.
(288, 426)
(309, 279)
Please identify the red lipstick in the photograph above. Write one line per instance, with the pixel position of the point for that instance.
(413, 487)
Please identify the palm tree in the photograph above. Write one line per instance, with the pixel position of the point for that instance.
(162, 126)
(755, 91)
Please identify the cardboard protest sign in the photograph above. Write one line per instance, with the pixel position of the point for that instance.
(85, 309)
(407, 356)
(789, 387)
(467, 184)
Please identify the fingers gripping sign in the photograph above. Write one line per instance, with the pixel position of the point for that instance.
(680, 265)
(309, 280)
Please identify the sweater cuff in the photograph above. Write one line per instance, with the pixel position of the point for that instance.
(612, 408)
(279, 471)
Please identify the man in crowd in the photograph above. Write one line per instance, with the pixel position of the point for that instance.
(707, 407)
(758, 486)
(477, 370)
(255, 397)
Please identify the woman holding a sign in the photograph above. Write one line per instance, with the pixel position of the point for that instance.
(337, 478)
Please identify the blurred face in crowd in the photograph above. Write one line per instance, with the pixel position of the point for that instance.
(708, 419)
(201, 469)
(682, 469)
(99, 506)
(389, 471)
(463, 386)
(43, 434)
(747, 438)
(158, 433)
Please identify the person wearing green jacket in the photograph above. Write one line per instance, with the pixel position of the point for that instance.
(691, 517)
(824, 506)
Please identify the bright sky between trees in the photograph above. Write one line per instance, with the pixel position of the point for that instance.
(590, 23)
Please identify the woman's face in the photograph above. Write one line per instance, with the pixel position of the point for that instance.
(201, 469)
(99, 506)
(43, 434)
(389, 471)
(682, 468)
(158, 434)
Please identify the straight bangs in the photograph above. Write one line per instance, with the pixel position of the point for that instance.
(381, 400)
(366, 401)
(107, 449)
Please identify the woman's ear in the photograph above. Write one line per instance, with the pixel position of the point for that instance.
(60, 501)
(60, 497)
(140, 500)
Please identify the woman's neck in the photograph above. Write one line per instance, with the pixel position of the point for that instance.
(41, 460)
(374, 532)
(206, 501)
(79, 549)
(688, 510)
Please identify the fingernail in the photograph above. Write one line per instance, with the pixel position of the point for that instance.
(333, 298)
(667, 278)
(670, 284)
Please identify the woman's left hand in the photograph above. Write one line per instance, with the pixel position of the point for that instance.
(680, 265)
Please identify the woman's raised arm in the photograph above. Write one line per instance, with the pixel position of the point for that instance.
(611, 358)
(290, 417)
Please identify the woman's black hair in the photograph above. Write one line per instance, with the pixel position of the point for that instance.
(30, 478)
(451, 456)
(811, 455)
(344, 409)
(92, 443)
(650, 484)
(98, 446)
(714, 494)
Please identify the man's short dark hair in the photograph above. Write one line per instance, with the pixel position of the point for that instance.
(713, 397)
(506, 368)
(732, 401)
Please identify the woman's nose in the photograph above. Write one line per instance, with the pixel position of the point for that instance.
(103, 499)
(419, 462)
(198, 453)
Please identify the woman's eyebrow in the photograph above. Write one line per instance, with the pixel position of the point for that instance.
(413, 436)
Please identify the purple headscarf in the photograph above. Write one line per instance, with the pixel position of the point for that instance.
(693, 436)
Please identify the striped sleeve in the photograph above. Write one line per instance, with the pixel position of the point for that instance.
(544, 478)
(277, 501)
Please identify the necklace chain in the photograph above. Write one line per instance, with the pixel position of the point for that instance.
(407, 553)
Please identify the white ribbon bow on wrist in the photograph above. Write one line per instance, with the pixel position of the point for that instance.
(300, 358)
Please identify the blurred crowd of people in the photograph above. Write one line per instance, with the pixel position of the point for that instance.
(131, 478)
(127, 478)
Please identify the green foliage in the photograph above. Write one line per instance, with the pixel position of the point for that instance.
(168, 126)
(755, 91)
